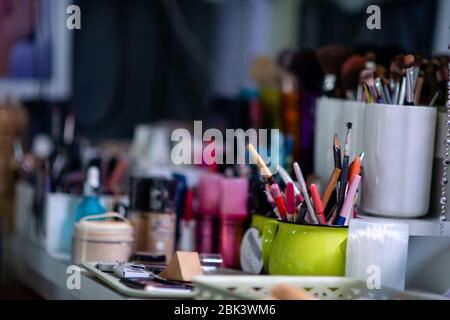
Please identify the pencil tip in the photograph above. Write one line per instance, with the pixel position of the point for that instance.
(336, 141)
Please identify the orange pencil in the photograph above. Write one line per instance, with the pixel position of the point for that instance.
(330, 186)
(317, 203)
(355, 169)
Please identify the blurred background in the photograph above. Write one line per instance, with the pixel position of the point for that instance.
(142, 62)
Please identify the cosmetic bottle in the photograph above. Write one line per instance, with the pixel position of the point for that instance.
(208, 210)
(137, 213)
(90, 204)
(233, 216)
(161, 218)
(187, 241)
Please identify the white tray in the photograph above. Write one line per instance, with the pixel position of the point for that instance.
(326, 288)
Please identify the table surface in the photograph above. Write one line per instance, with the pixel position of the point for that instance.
(49, 276)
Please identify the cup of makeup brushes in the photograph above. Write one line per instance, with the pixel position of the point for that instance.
(398, 146)
(306, 250)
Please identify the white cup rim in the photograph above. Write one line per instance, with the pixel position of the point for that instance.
(396, 106)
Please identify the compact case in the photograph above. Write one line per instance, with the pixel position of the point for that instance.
(102, 240)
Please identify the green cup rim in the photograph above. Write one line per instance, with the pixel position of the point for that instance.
(312, 225)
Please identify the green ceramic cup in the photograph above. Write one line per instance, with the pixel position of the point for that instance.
(307, 250)
(259, 221)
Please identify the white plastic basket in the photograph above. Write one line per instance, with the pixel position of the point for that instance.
(325, 288)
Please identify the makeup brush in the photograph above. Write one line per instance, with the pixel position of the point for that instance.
(284, 58)
(350, 72)
(344, 174)
(396, 68)
(418, 89)
(433, 100)
(402, 93)
(332, 216)
(263, 169)
(305, 65)
(430, 84)
(387, 93)
(337, 152)
(368, 80)
(370, 61)
(396, 76)
(331, 58)
(380, 90)
(408, 61)
(418, 61)
(265, 71)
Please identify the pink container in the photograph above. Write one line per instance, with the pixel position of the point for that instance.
(233, 215)
(208, 211)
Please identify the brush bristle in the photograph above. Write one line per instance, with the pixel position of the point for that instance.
(370, 56)
(408, 60)
(331, 58)
(349, 125)
(395, 69)
(265, 71)
(305, 66)
(351, 70)
(366, 74)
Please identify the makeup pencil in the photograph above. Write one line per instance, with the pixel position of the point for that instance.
(337, 152)
(304, 191)
(290, 201)
(344, 173)
(276, 194)
(331, 186)
(317, 203)
(284, 175)
(355, 169)
(349, 200)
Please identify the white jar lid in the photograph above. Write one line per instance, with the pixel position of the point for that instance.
(104, 230)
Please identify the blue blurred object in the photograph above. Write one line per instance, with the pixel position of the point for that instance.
(90, 205)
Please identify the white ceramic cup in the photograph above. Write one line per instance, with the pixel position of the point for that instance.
(398, 146)
(331, 117)
(439, 150)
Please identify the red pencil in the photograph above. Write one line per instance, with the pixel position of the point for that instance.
(317, 203)
(276, 194)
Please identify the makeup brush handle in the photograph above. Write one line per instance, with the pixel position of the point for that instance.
(343, 183)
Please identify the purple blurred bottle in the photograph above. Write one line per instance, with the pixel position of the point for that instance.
(307, 119)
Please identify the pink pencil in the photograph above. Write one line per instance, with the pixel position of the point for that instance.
(290, 200)
(348, 202)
